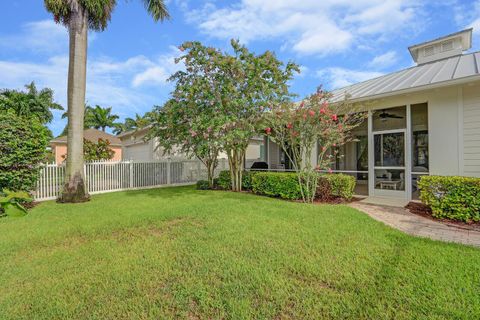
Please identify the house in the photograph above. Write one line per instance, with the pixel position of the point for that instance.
(59, 144)
(136, 148)
(422, 120)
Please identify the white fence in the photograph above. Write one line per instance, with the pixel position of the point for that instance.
(114, 176)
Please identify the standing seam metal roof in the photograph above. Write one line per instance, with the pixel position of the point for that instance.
(435, 72)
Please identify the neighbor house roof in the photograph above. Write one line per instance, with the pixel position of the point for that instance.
(136, 132)
(92, 135)
(454, 70)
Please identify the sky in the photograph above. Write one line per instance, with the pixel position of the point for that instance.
(335, 42)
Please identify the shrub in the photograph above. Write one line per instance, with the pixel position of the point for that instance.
(23, 145)
(224, 180)
(456, 198)
(11, 203)
(277, 184)
(332, 186)
(203, 185)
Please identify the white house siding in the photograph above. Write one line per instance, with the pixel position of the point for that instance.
(443, 115)
(471, 130)
(443, 125)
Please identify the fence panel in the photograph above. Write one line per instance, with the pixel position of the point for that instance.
(109, 176)
(49, 182)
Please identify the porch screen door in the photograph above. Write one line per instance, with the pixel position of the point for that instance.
(389, 163)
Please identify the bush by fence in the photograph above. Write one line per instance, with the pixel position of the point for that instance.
(23, 145)
(456, 198)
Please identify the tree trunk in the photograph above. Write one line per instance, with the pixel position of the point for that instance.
(75, 189)
(235, 160)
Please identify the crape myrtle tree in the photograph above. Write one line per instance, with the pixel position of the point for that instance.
(192, 120)
(247, 85)
(188, 126)
(80, 16)
(301, 129)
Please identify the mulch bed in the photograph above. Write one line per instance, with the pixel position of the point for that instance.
(425, 211)
(336, 200)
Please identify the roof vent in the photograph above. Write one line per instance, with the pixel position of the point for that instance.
(429, 51)
(445, 47)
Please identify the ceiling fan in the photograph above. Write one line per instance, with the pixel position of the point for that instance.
(384, 116)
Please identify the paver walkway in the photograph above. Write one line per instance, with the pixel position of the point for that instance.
(403, 220)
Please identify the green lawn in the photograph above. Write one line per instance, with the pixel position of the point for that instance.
(187, 254)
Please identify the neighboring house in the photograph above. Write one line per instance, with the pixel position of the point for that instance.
(59, 144)
(136, 148)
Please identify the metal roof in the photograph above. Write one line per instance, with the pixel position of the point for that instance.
(433, 74)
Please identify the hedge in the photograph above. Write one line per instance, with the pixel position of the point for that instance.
(336, 186)
(277, 184)
(23, 145)
(224, 180)
(456, 198)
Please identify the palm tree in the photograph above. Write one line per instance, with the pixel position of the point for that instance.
(102, 118)
(33, 103)
(136, 123)
(87, 122)
(79, 16)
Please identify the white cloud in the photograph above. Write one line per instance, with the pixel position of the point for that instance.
(309, 26)
(334, 78)
(43, 36)
(383, 61)
(159, 72)
(110, 82)
(467, 15)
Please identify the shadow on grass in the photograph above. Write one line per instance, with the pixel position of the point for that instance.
(191, 192)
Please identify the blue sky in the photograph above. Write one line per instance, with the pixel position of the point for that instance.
(336, 42)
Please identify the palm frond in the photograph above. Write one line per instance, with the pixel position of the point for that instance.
(157, 9)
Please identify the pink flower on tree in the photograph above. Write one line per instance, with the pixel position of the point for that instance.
(311, 113)
(323, 111)
(268, 130)
(289, 126)
(334, 117)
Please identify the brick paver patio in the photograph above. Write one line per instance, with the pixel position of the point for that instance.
(403, 220)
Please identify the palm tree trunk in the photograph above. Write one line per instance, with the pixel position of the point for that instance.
(74, 189)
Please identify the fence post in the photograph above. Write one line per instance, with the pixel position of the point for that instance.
(130, 168)
(85, 176)
(169, 171)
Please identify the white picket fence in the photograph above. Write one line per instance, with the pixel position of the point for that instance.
(109, 176)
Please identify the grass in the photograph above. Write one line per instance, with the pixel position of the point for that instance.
(187, 254)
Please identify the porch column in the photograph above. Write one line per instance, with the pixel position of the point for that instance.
(408, 154)
(371, 155)
(267, 151)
